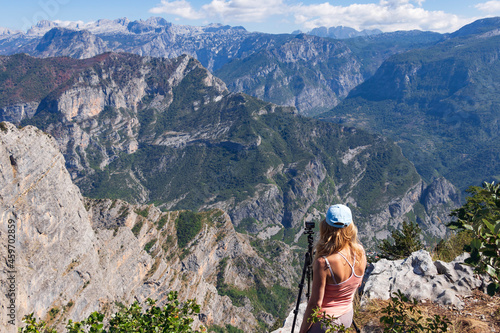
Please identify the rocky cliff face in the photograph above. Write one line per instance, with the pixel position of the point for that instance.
(69, 43)
(310, 73)
(429, 205)
(77, 255)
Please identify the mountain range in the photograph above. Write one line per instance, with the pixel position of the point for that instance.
(308, 72)
(166, 131)
(75, 255)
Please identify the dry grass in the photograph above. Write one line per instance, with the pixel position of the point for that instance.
(481, 313)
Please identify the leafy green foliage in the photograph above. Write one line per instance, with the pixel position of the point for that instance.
(144, 213)
(404, 242)
(149, 245)
(328, 322)
(161, 223)
(136, 229)
(402, 315)
(173, 317)
(481, 215)
(34, 326)
(188, 225)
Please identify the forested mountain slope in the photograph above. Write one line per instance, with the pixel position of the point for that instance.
(440, 104)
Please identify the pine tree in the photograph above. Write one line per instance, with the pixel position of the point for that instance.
(404, 242)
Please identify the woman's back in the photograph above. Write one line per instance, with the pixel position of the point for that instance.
(347, 276)
(340, 263)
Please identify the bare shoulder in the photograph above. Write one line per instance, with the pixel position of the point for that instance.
(320, 264)
(334, 258)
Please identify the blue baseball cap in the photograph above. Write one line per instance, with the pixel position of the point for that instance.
(338, 216)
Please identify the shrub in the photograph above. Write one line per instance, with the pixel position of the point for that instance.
(447, 250)
(32, 326)
(402, 315)
(188, 225)
(136, 229)
(481, 215)
(149, 245)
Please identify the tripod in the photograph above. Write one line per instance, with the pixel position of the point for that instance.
(306, 270)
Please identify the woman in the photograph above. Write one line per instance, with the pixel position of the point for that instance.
(339, 266)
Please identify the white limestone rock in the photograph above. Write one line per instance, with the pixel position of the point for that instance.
(419, 277)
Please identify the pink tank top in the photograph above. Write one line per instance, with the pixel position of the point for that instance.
(338, 297)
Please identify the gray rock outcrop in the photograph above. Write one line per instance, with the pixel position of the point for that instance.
(420, 278)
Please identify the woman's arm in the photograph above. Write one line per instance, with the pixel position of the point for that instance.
(317, 292)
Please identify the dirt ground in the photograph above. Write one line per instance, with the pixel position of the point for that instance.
(480, 314)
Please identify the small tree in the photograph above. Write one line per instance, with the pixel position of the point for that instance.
(404, 243)
(481, 215)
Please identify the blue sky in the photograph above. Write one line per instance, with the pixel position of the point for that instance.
(273, 16)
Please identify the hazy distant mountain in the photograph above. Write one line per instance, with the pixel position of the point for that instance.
(341, 32)
(314, 75)
(441, 104)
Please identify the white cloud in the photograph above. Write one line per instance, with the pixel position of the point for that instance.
(180, 8)
(245, 10)
(224, 10)
(489, 7)
(387, 15)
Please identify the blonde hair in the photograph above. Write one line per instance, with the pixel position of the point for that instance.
(332, 240)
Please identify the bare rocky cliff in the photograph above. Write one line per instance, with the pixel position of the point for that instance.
(75, 255)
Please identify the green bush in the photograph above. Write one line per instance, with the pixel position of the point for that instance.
(402, 315)
(136, 229)
(161, 223)
(404, 242)
(481, 215)
(149, 245)
(447, 250)
(173, 317)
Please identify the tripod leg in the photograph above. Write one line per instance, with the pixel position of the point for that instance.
(301, 288)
